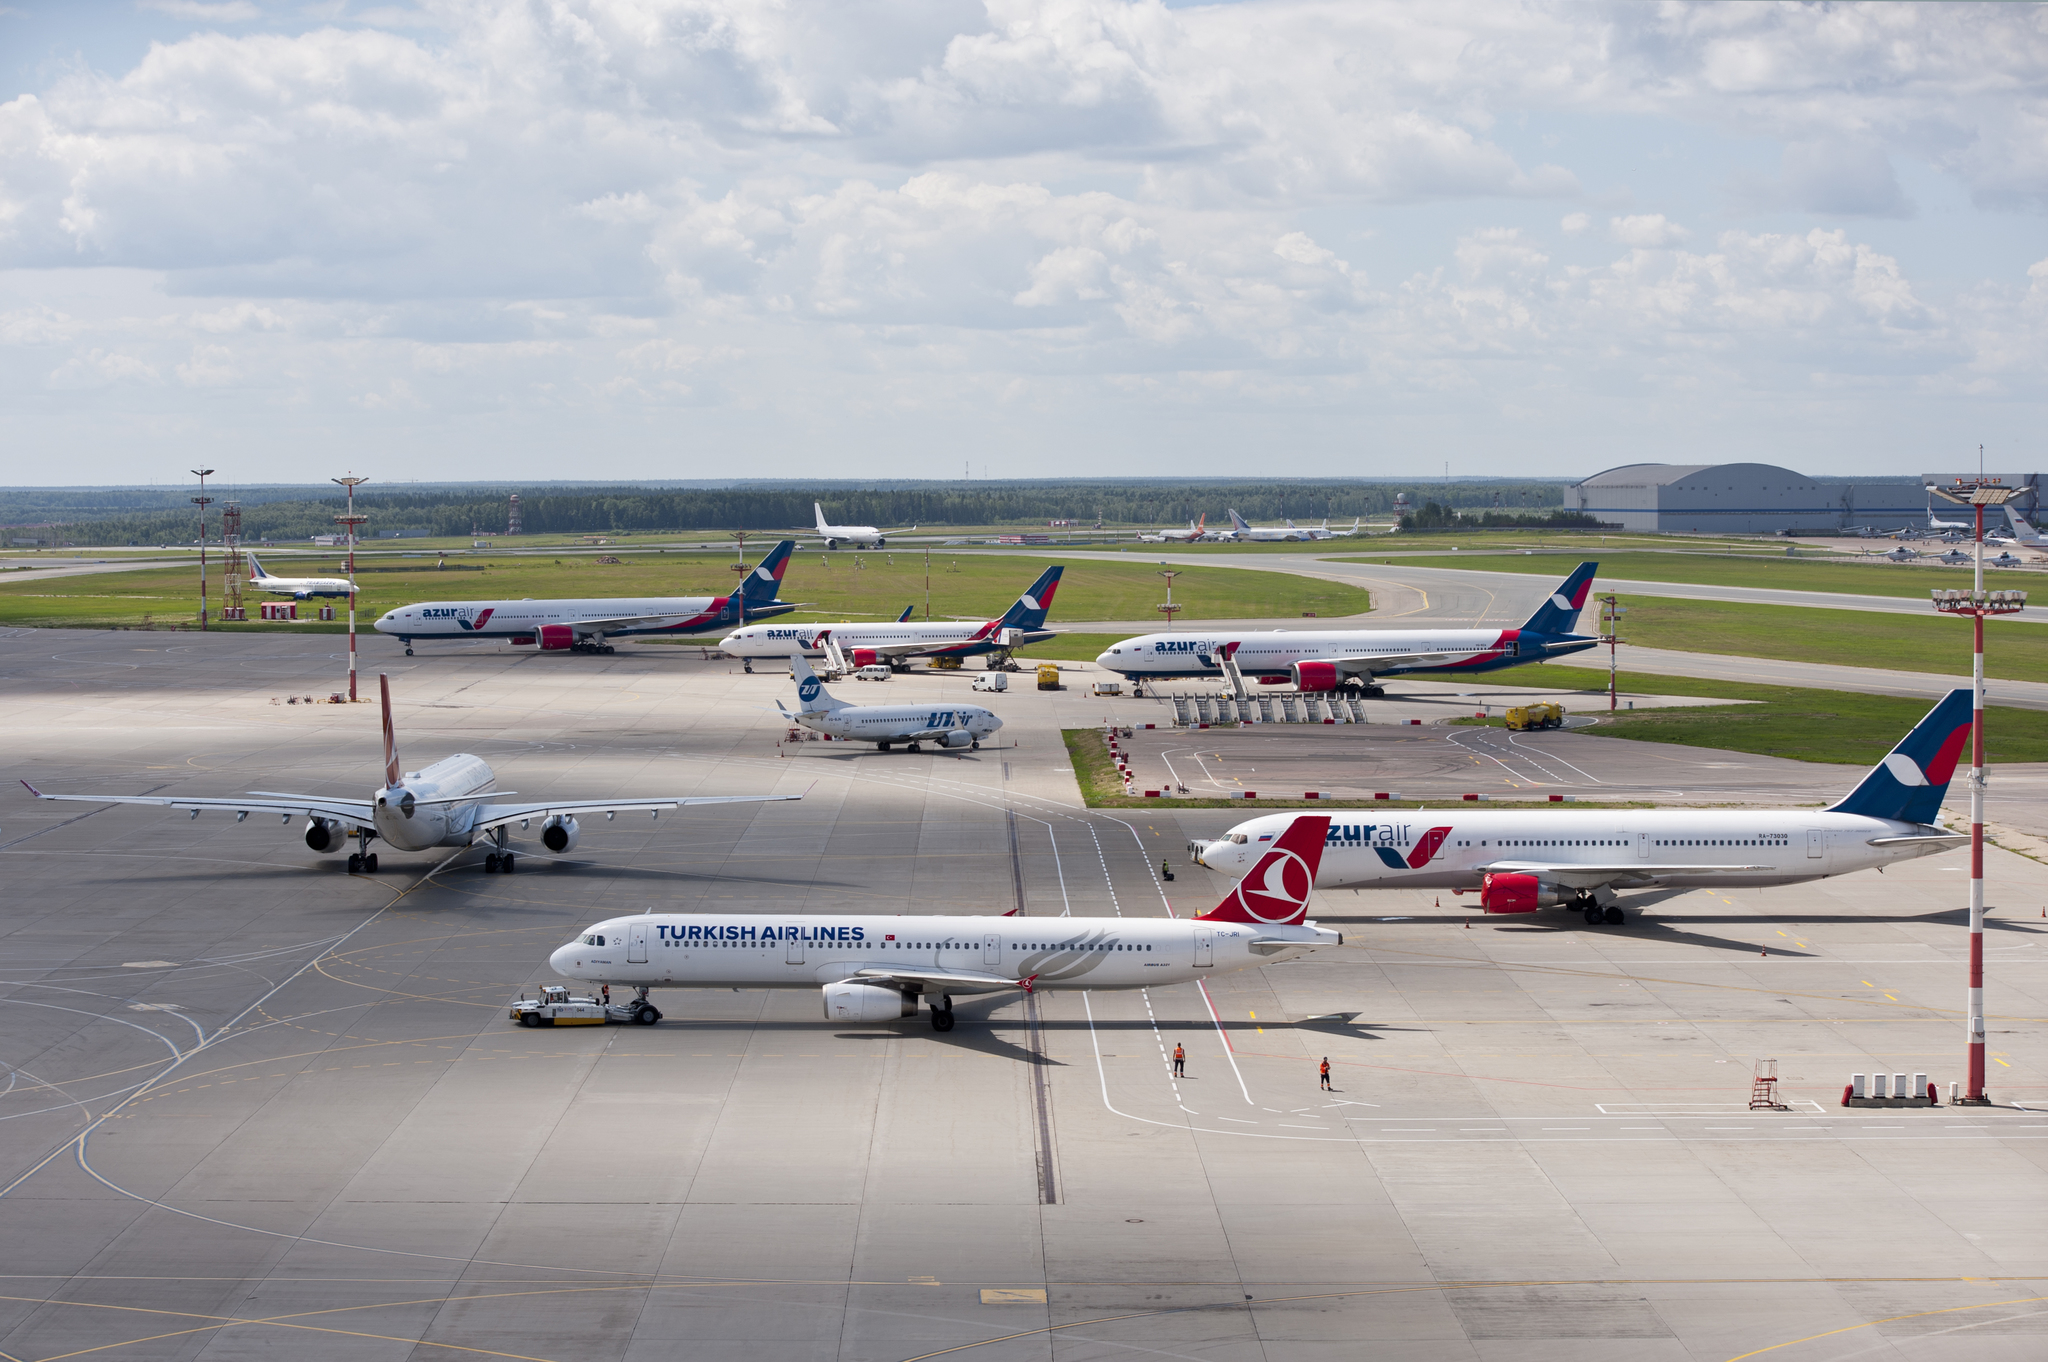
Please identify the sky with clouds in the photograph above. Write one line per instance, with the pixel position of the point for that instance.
(707, 238)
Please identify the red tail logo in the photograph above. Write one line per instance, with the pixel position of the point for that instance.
(393, 774)
(1430, 843)
(1277, 889)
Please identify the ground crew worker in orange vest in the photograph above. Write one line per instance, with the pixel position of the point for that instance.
(1326, 1075)
(1180, 1061)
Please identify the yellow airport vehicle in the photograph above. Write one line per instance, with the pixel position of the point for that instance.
(1048, 676)
(1536, 716)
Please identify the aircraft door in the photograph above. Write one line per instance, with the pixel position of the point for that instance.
(992, 951)
(636, 944)
(1816, 843)
(1205, 947)
(792, 945)
(1643, 846)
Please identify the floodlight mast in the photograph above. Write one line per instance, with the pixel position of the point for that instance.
(351, 520)
(1977, 493)
(202, 501)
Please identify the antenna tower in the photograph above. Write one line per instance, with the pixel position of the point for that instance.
(512, 525)
(231, 559)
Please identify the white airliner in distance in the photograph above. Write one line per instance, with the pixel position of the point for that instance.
(877, 969)
(1522, 860)
(1193, 534)
(894, 640)
(1242, 533)
(298, 587)
(449, 804)
(2023, 535)
(1323, 531)
(858, 536)
(885, 725)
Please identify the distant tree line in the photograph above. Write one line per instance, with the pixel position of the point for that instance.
(152, 516)
(1436, 516)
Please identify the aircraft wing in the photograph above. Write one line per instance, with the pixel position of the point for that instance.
(937, 975)
(1585, 875)
(632, 621)
(496, 815)
(353, 811)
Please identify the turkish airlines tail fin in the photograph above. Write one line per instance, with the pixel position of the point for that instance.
(811, 695)
(1029, 611)
(1560, 614)
(1910, 783)
(394, 774)
(1277, 889)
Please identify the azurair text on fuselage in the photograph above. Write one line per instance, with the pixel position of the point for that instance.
(1332, 659)
(872, 968)
(1521, 860)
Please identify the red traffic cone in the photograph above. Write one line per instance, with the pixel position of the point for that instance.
(1764, 951)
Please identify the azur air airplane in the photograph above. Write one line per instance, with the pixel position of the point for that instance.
(877, 968)
(1327, 659)
(449, 804)
(584, 625)
(864, 644)
(1522, 860)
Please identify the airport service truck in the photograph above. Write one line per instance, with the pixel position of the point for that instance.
(557, 1006)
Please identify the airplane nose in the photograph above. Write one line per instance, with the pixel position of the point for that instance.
(1102, 661)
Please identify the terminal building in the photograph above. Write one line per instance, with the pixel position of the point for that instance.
(1743, 498)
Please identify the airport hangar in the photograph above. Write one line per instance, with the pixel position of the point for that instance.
(1757, 498)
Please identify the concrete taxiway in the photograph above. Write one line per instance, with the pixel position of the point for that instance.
(258, 1107)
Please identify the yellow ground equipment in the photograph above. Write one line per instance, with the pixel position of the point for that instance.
(945, 664)
(1048, 676)
(1536, 716)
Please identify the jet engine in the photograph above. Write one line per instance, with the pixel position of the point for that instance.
(324, 835)
(559, 833)
(865, 657)
(1507, 892)
(851, 1001)
(1315, 676)
(959, 737)
(556, 638)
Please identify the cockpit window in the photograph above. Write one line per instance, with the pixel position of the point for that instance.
(593, 939)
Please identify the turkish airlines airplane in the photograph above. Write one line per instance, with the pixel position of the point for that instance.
(298, 587)
(859, 536)
(583, 625)
(1193, 534)
(1324, 660)
(1521, 860)
(884, 725)
(876, 969)
(449, 804)
(865, 644)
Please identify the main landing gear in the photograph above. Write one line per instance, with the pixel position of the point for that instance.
(499, 864)
(1596, 914)
(362, 861)
(942, 1012)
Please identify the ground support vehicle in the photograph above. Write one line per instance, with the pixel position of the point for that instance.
(993, 681)
(1526, 717)
(1048, 676)
(557, 1006)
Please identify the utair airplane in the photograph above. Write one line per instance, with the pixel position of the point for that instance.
(299, 587)
(1324, 660)
(449, 804)
(883, 725)
(859, 536)
(1242, 533)
(877, 969)
(1194, 534)
(1522, 860)
(865, 644)
(584, 625)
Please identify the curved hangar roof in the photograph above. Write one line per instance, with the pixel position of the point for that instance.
(1667, 474)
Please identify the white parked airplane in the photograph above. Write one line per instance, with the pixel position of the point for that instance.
(1242, 533)
(2023, 535)
(583, 625)
(298, 587)
(446, 805)
(1522, 860)
(865, 644)
(877, 969)
(1323, 531)
(884, 725)
(1196, 531)
(859, 536)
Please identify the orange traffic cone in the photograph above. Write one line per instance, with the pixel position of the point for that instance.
(1764, 952)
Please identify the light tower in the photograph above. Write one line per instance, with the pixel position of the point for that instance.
(1976, 493)
(1169, 609)
(202, 501)
(231, 607)
(351, 520)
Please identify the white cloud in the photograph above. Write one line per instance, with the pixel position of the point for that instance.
(1573, 224)
(1646, 231)
(206, 11)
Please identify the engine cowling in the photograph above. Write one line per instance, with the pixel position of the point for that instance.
(865, 657)
(1315, 676)
(556, 638)
(959, 737)
(325, 836)
(524, 641)
(861, 1002)
(559, 833)
(1508, 892)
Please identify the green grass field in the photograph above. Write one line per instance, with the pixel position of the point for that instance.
(1709, 569)
(1851, 638)
(1782, 721)
(836, 586)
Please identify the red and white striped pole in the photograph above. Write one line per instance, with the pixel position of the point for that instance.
(1973, 1089)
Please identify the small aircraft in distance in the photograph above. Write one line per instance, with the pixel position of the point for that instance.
(859, 536)
(1196, 531)
(1323, 531)
(448, 804)
(1955, 558)
(1901, 554)
(299, 587)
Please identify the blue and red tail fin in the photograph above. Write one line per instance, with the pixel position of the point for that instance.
(905, 616)
(765, 580)
(1910, 784)
(1560, 614)
(1276, 890)
(1029, 611)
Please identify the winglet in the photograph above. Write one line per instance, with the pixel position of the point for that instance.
(1276, 892)
(33, 790)
(394, 774)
